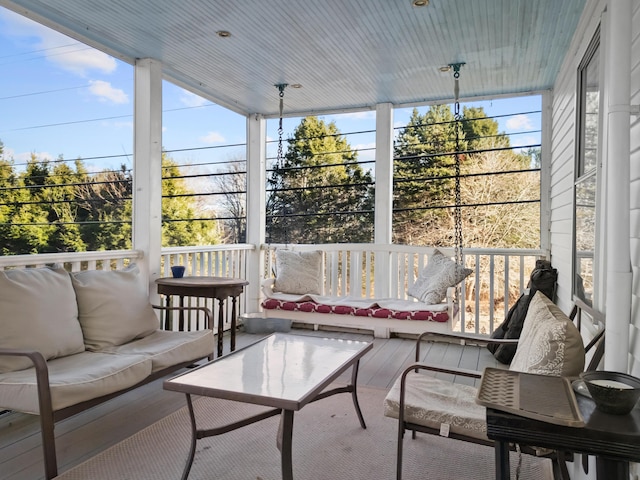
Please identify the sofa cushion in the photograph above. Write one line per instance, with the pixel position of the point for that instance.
(298, 272)
(550, 344)
(440, 273)
(73, 379)
(166, 348)
(38, 311)
(113, 307)
(432, 402)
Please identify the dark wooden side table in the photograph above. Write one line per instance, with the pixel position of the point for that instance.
(613, 439)
(219, 288)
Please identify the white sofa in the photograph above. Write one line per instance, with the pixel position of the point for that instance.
(73, 340)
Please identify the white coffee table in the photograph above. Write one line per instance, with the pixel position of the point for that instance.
(283, 371)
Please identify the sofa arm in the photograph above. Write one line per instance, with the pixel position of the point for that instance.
(42, 375)
(207, 313)
(462, 339)
(44, 404)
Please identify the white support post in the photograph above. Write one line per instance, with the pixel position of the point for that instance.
(256, 206)
(384, 195)
(545, 172)
(147, 168)
(619, 274)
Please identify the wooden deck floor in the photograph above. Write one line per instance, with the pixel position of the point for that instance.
(86, 434)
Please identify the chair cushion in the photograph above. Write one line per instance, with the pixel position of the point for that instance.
(550, 344)
(113, 307)
(432, 402)
(73, 379)
(38, 312)
(298, 272)
(440, 273)
(166, 348)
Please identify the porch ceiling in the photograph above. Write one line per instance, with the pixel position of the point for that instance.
(347, 54)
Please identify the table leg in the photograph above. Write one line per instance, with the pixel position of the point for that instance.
(233, 323)
(181, 324)
(503, 471)
(168, 314)
(220, 324)
(354, 393)
(285, 440)
(192, 450)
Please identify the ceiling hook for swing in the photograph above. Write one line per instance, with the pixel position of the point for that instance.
(456, 75)
(281, 87)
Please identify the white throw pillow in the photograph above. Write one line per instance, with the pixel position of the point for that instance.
(298, 272)
(550, 344)
(38, 311)
(440, 273)
(113, 307)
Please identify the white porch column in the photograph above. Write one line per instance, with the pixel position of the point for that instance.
(545, 172)
(384, 194)
(619, 274)
(256, 206)
(147, 171)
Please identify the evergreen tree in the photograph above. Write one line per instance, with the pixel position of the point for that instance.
(180, 226)
(319, 194)
(64, 209)
(423, 169)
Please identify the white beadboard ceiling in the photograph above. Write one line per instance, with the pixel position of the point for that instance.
(346, 54)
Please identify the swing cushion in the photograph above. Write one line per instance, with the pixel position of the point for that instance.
(440, 273)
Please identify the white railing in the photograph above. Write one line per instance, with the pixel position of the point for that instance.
(364, 270)
(383, 271)
(73, 261)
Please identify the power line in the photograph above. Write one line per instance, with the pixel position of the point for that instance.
(44, 92)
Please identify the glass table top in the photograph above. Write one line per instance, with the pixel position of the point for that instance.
(282, 370)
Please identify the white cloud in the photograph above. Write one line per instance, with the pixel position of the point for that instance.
(519, 122)
(212, 137)
(57, 48)
(82, 60)
(24, 157)
(192, 100)
(106, 92)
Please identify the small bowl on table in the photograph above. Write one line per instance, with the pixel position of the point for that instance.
(613, 392)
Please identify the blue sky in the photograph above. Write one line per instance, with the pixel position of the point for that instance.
(60, 97)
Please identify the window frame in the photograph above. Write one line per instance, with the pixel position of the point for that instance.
(583, 176)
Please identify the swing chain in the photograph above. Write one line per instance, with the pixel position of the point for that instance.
(457, 215)
(280, 155)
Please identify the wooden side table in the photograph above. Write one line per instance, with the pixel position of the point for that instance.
(219, 288)
(612, 439)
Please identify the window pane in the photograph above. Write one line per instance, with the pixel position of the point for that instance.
(591, 114)
(585, 236)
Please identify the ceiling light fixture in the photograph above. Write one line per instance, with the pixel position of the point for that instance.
(420, 3)
(296, 85)
(444, 68)
(223, 34)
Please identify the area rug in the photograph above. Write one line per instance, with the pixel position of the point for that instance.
(328, 444)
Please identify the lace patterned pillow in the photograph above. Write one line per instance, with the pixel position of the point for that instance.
(550, 344)
(440, 273)
(298, 272)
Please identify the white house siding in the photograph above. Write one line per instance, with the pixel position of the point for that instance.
(563, 153)
(562, 175)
